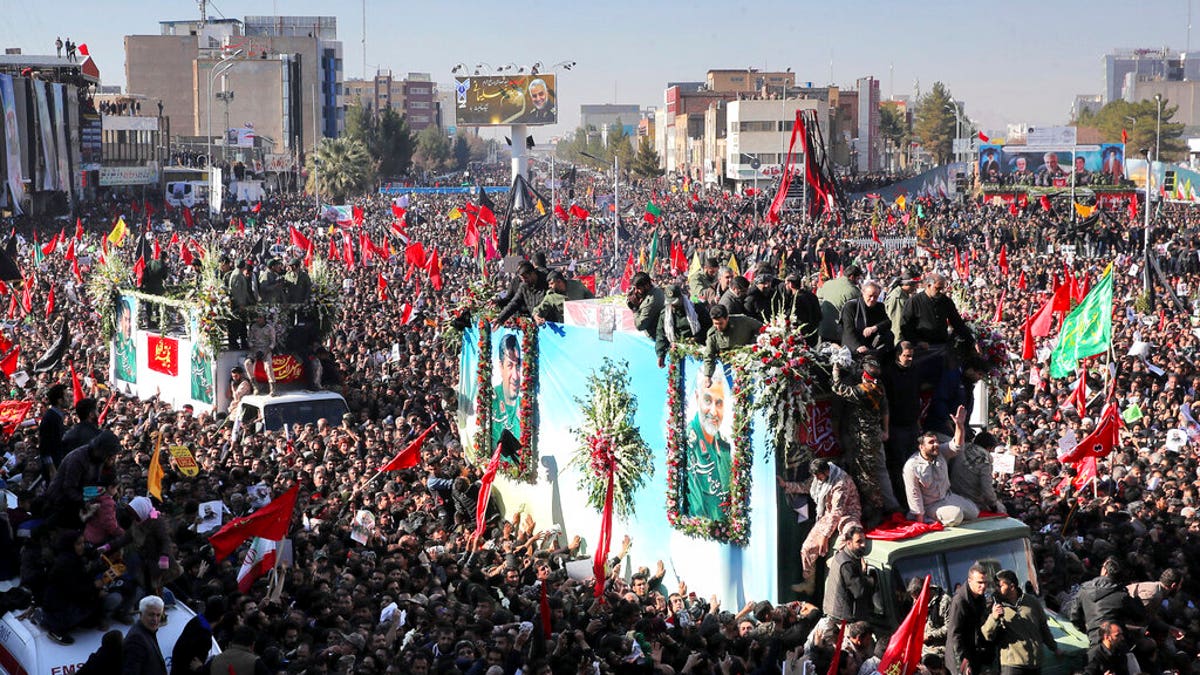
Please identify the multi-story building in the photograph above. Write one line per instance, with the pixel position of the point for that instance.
(749, 81)
(868, 144)
(760, 129)
(415, 96)
(280, 74)
(601, 115)
(1124, 69)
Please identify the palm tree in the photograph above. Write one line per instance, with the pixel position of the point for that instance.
(343, 167)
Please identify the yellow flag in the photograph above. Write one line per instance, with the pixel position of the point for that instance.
(154, 479)
(455, 214)
(541, 209)
(695, 266)
(1084, 210)
(332, 229)
(901, 202)
(733, 265)
(642, 258)
(117, 236)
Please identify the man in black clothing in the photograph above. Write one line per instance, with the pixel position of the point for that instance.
(529, 294)
(760, 300)
(51, 429)
(88, 427)
(1105, 599)
(967, 652)
(926, 318)
(1109, 657)
(849, 587)
(866, 327)
(802, 307)
(190, 653)
(903, 388)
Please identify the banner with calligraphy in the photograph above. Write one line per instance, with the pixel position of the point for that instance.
(162, 354)
(287, 369)
(818, 433)
(12, 413)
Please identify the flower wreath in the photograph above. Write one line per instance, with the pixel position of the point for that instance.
(481, 450)
(608, 437)
(735, 528)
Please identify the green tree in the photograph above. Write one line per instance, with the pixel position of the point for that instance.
(462, 151)
(359, 123)
(394, 143)
(339, 168)
(433, 150)
(587, 140)
(619, 144)
(893, 126)
(1116, 116)
(934, 123)
(645, 163)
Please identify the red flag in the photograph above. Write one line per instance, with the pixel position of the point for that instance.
(1124, 136)
(348, 251)
(983, 138)
(627, 276)
(471, 238)
(308, 257)
(1100, 442)
(903, 654)
(1079, 394)
(786, 182)
(298, 239)
(1133, 208)
(187, 217)
(397, 210)
(356, 215)
(410, 456)
(270, 522)
(485, 492)
(1085, 471)
(76, 385)
(1004, 258)
(875, 236)
(1027, 345)
(50, 301)
(579, 212)
(8, 366)
(51, 245)
(406, 311)
(104, 413)
(27, 297)
(435, 270)
(1045, 202)
(139, 270)
(1021, 281)
(561, 213)
(837, 650)
(157, 254)
(382, 288)
(599, 562)
(1039, 325)
(1062, 298)
(174, 240)
(399, 231)
(1000, 307)
(334, 250)
(83, 49)
(257, 208)
(589, 280)
(75, 271)
(414, 254)
(78, 228)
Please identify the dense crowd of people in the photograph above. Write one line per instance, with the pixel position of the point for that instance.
(421, 596)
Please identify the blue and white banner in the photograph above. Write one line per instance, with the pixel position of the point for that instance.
(12, 143)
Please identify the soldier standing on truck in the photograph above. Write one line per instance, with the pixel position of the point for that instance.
(262, 338)
(241, 298)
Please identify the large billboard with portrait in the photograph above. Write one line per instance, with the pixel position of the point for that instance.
(1052, 166)
(488, 100)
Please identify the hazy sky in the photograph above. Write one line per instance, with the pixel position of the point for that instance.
(1014, 61)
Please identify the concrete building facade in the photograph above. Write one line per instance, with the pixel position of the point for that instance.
(762, 129)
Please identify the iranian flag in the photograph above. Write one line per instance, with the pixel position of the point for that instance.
(259, 560)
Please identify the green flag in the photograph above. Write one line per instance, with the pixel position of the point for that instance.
(1087, 330)
(1132, 414)
(653, 213)
(654, 249)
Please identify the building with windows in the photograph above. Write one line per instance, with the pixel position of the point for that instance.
(760, 129)
(282, 75)
(415, 96)
(1124, 69)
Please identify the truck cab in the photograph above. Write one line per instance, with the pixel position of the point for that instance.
(996, 543)
(272, 413)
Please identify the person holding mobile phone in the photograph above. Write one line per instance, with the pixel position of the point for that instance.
(1017, 625)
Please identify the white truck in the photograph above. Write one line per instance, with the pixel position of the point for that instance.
(165, 349)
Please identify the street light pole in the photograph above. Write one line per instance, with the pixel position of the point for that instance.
(1146, 233)
(228, 61)
(1158, 127)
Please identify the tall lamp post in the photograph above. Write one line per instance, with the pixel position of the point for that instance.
(953, 105)
(227, 61)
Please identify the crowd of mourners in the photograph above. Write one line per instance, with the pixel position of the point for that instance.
(89, 549)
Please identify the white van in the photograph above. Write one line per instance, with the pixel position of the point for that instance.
(187, 193)
(271, 413)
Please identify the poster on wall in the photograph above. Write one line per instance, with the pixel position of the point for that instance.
(202, 372)
(502, 395)
(707, 462)
(125, 349)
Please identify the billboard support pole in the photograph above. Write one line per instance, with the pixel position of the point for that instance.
(520, 161)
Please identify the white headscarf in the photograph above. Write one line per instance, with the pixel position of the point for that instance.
(143, 507)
